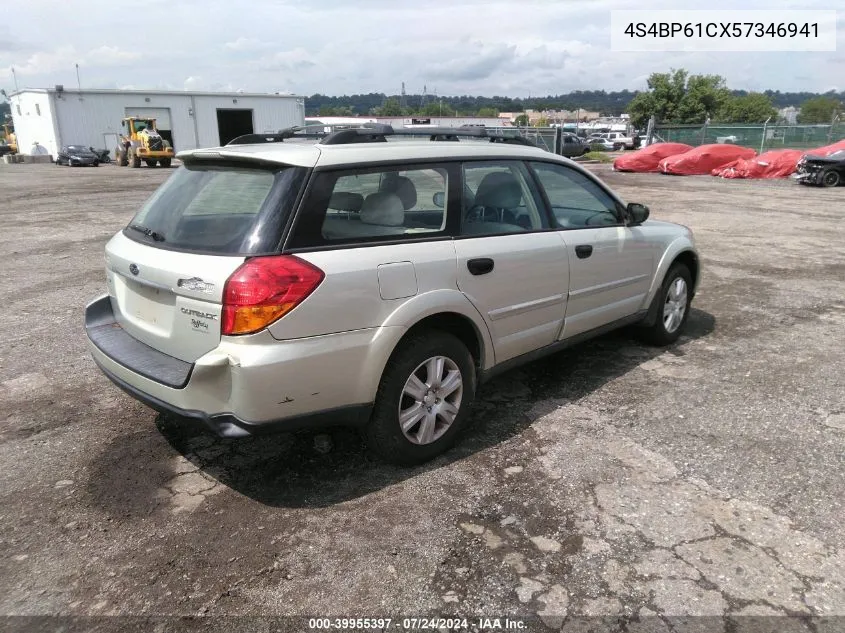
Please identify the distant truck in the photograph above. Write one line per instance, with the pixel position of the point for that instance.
(610, 141)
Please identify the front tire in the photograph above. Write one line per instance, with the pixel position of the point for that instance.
(831, 178)
(673, 306)
(423, 400)
(165, 162)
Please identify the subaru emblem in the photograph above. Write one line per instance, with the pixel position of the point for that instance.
(133, 268)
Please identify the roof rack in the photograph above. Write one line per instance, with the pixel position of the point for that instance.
(375, 133)
(281, 135)
(378, 133)
(309, 130)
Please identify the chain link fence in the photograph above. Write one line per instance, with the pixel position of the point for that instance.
(547, 138)
(757, 137)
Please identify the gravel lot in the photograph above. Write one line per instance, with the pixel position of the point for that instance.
(610, 487)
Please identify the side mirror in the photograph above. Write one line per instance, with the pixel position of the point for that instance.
(637, 213)
(439, 199)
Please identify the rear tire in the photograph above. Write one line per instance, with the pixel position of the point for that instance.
(165, 162)
(435, 408)
(134, 160)
(672, 305)
(831, 178)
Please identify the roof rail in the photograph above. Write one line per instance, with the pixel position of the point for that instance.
(378, 133)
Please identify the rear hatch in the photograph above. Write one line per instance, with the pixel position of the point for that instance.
(167, 270)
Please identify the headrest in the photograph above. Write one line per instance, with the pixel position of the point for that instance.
(346, 201)
(383, 208)
(500, 190)
(402, 187)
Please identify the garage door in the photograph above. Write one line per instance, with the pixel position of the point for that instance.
(161, 115)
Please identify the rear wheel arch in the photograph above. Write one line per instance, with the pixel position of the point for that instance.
(458, 325)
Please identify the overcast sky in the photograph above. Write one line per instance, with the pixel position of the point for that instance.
(514, 48)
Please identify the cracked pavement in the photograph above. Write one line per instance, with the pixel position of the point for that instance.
(612, 487)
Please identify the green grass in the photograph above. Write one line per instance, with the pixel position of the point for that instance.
(599, 156)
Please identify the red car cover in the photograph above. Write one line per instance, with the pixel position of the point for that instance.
(778, 163)
(827, 150)
(647, 158)
(704, 159)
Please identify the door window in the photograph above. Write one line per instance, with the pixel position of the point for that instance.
(498, 199)
(577, 201)
(389, 203)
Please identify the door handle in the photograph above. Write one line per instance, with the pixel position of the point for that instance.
(583, 251)
(480, 266)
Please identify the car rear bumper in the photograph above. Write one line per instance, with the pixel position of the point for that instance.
(248, 385)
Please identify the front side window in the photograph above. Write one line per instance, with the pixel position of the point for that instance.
(498, 199)
(387, 203)
(576, 200)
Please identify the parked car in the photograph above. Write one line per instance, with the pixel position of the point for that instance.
(828, 171)
(77, 156)
(280, 285)
(600, 142)
(571, 146)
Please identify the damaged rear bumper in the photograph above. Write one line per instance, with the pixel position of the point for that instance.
(251, 385)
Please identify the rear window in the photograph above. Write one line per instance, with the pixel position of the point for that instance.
(219, 209)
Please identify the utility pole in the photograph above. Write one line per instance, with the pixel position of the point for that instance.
(15, 75)
(78, 83)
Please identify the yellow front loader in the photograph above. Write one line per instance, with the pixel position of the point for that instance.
(141, 142)
(9, 138)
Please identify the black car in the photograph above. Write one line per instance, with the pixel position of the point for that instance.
(827, 171)
(76, 156)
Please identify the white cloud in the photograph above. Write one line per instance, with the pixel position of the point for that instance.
(246, 44)
(334, 47)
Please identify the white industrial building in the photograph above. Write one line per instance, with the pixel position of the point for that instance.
(55, 117)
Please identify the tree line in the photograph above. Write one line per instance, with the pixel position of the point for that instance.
(675, 97)
(678, 97)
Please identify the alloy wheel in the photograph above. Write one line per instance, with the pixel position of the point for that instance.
(431, 399)
(676, 305)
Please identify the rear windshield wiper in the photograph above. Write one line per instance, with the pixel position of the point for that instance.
(158, 237)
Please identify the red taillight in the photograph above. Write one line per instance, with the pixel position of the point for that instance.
(264, 289)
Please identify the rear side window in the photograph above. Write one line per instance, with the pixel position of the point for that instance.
(375, 204)
(219, 209)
